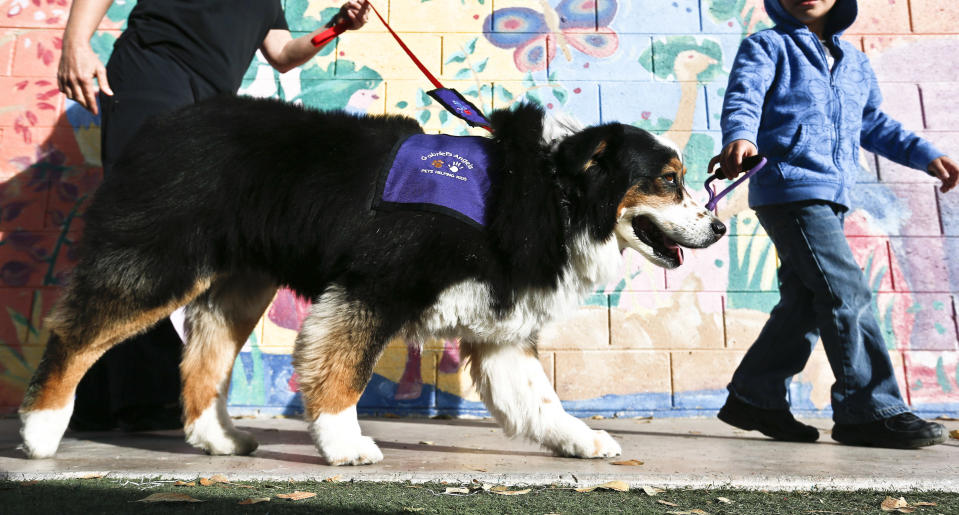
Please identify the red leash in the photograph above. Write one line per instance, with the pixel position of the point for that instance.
(328, 35)
(450, 99)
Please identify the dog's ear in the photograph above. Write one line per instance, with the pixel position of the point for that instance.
(587, 151)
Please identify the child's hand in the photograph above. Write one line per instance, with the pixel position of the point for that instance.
(947, 171)
(730, 160)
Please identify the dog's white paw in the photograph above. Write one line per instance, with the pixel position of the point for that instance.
(589, 444)
(222, 442)
(227, 443)
(38, 446)
(353, 450)
(213, 433)
(42, 430)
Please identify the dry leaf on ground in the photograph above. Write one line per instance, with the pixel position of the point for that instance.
(456, 490)
(510, 492)
(335, 479)
(628, 463)
(652, 490)
(297, 495)
(923, 503)
(93, 475)
(619, 486)
(690, 512)
(724, 500)
(666, 503)
(898, 505)
(954, 434)
(254, 500)
(168, 497)
(184, 483)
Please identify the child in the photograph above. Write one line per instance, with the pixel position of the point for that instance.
(807, 100)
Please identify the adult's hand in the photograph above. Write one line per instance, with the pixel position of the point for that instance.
(354, 14)
(79, 66)
(947, 171)
(730, 160)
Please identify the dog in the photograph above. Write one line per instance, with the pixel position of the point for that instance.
(214, 206)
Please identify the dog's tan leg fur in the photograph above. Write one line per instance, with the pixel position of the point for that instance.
(77, 340)
(217, 325)
(333, 358)
(512, 384)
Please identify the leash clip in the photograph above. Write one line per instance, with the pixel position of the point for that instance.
(753, 163)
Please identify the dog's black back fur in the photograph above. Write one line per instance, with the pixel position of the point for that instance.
(297, 187)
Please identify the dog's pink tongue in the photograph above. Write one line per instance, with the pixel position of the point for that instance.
(670, 244)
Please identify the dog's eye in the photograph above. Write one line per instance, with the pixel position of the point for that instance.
(671, 179)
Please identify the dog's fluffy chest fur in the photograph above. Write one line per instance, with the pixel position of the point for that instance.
(467, 309)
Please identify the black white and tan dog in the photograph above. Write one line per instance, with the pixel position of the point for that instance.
(216, 205)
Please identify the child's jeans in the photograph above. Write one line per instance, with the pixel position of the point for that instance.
(823, 293)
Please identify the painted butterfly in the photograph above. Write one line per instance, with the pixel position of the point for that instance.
(581, 24)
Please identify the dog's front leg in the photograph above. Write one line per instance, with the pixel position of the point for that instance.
(333, 357)
(512, 384)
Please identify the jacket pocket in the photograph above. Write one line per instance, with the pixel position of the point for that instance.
(784, 158)
(798, 144)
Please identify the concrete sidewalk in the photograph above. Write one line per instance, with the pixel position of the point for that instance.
(680, 452)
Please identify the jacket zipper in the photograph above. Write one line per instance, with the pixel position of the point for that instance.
(837, 114)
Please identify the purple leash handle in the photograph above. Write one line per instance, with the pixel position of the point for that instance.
(714, 197)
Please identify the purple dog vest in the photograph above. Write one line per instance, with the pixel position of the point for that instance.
(439, 173)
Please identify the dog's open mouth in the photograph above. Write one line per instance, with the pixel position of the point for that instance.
(663, 246)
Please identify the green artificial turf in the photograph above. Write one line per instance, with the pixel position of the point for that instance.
(108, 495)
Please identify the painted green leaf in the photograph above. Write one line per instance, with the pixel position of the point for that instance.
(533, 96)
(941, 377)
(502, 93)
(560, 95)
(425, 99)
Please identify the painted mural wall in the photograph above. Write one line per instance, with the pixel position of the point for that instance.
(651, 343)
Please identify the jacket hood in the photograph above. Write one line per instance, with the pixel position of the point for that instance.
(841, 17)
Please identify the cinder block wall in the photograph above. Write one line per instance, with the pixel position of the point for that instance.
(652, 342)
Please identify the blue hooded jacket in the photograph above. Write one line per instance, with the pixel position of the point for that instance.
(809, 120)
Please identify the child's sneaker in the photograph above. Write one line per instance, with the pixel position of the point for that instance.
(902, 431)
(774, 423)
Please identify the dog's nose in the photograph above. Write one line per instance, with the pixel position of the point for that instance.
(719, 228)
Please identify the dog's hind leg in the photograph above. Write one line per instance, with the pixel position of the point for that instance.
(217, 324)
(88, 320)
(334, 356)
(512, 384)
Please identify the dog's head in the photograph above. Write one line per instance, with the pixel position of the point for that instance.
(632, 183)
